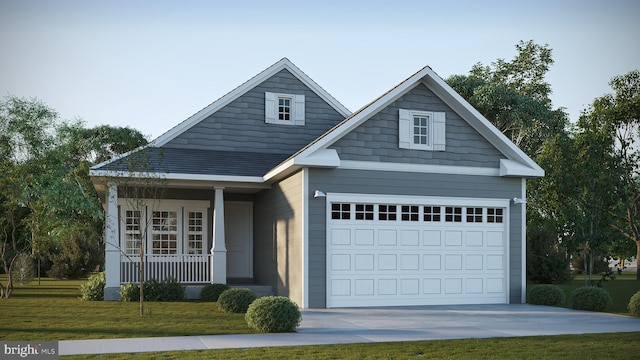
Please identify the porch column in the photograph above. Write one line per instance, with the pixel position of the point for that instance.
(112, 245)
(219, 249)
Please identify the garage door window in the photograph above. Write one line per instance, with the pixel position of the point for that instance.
(494, 215)
(341, 211)
(432, 213)
(410, 213)
(474, 215)
(364, 211)
(387, 212)
(453, 214)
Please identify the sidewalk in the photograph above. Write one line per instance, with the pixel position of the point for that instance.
(363, 325)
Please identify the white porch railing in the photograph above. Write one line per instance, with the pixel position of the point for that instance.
(183, 267)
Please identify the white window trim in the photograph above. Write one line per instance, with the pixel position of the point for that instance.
(297, 109)
(436, 133)
(148, 206)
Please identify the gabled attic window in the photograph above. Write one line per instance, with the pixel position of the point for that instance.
(284, 109)
(422, 130)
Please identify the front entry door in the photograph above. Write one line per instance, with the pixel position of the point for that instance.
(238, 225)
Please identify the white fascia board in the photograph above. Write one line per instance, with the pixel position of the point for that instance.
(323, 158)
(518, 169)
(242, 89)
(479, 122)
(173, 176)
(419, 168)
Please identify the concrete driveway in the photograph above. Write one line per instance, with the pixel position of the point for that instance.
(362, 325)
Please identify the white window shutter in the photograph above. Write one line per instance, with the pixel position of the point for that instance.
(298, 110)
(270, 108)
(404, 126)
(439, 131)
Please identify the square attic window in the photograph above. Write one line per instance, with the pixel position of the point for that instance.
(284, 109)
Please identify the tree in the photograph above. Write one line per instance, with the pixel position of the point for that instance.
(514, 96)
(48, 205)
(25, 137)
(620, 114)
(142, 188)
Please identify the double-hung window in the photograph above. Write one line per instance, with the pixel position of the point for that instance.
(284, 109)
(422, 130)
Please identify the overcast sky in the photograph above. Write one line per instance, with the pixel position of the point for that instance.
(152, 64)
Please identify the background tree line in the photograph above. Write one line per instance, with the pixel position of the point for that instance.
(50, 213)
(585, 209)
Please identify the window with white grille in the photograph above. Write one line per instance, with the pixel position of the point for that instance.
(132, 231)
(164, 232)
(195, 232)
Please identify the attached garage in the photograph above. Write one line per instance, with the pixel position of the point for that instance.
(401, 251)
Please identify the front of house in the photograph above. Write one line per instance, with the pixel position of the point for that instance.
(415, 199)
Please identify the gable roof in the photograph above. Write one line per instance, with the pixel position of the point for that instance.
(284, 63)
(517, 163)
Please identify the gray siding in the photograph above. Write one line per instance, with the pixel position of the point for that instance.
(377, 138)
(399, 183)
(278, 244)
(240, 126)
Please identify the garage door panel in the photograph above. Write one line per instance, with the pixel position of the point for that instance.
(432, 237)
(364, 237)
(404, 263)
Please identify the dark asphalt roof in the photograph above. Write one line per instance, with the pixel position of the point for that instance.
(198, 162)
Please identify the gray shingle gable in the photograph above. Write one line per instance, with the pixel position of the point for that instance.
(377, 138)
(240, 125)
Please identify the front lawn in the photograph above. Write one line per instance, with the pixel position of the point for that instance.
(621, 289)
(53, 311)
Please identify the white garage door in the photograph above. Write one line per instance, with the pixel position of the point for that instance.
(400, 251)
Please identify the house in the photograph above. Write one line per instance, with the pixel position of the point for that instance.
(415, 199)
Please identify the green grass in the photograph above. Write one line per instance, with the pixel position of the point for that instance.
(619, 346)
(621, 289)
(53, 311)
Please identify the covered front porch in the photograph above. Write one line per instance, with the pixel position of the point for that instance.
(184, 236)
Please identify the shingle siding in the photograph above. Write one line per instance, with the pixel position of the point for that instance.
(240, 126)
(377, 139)
(406, 184)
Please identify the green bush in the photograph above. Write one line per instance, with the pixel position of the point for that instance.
(273, 314)
(236, 300)
(546, 294)
(212, 292)
(590, 298)
(93, 289)
(154, 290)
(547, 259)
(130, 292)
(77, 254)
(634, 304)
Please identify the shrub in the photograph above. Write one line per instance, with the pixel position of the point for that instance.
(273, 314)
(93, 289)
(212, 292)
(154, 290)
(76, 255)
(634, 304)
(590, 298)
(170, 290)
(23, 269)
(546, 294)
(129, 292)
(236, 300)
(547, 260)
